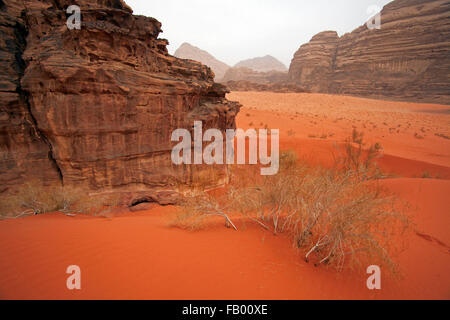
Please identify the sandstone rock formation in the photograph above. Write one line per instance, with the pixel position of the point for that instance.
(262, 64)
(280, 87)
(313, 63)
(247, 74)
(187, 51)
(96, 107)
(407, 59)
(245, 79)
(249, 79)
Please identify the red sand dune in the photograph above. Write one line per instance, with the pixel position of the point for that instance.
(137, 256)
(393, 124)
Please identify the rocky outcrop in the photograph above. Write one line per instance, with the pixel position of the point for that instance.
(96, 107)
(262, 64)
(313, 63)
(280, 87)
(246, 79)
(247, 74)
(407, 59)
(187, 51)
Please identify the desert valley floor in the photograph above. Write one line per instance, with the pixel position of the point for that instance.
(136, 255)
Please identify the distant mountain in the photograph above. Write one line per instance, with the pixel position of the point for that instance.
(247, 74)
(262, 64)
(188, 51)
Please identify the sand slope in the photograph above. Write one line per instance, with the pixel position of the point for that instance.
(405, 130)
(138, 256)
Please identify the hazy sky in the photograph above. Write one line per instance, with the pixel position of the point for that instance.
(234, 30)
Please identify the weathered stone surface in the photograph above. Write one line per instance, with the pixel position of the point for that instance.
(407, 59)
(313, 63)
(23, 151)
(96, 107)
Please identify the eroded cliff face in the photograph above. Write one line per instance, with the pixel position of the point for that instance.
(407, 59)
(96, 107)
(313, 63)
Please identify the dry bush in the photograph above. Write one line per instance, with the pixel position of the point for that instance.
(266, 196)
(34, 198)
(357, 137)
(334, 216)
(194, 211)
(207, 177)
(331, 215)
(358, 159)
(426, 175)
(188, 217)
(338, 219)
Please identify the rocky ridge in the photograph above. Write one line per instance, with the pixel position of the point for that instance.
(188, 51)
(408, 58)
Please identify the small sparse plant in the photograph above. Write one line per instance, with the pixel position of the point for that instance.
(426, 175)
(441, 135)
(357, 137)
(357, 159)
(194, 211)
(34, 198)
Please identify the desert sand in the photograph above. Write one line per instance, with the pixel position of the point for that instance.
(136, 255)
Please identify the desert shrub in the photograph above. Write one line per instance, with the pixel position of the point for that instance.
(357, 137)
(426, 175)
(194, 210)
(34, 198)
(356, 157)
(188, 217)
(337, 218)
(334, 216)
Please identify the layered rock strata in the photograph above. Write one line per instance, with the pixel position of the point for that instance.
(96, 107)
(408, 58)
